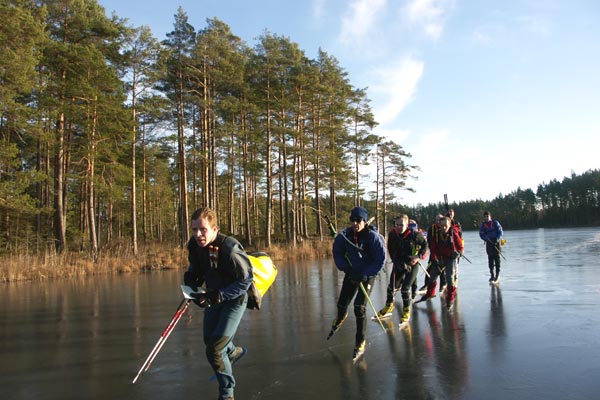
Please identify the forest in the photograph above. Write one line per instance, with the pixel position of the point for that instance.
(571, 202)
(110, 138)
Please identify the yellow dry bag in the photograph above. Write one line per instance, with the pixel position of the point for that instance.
(264, 272)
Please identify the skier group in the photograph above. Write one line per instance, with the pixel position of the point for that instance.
(360, 252)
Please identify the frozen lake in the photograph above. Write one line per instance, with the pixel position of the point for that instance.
(534, 337)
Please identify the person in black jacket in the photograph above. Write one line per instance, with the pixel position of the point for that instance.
(221, 264)
(405, 247)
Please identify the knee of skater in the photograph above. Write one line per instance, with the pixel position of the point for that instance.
(360, 311)
(214, 352)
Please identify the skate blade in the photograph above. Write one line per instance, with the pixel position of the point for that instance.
(357, 357)
(422, 299)
(374, 318)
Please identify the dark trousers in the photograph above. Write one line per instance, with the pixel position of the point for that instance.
(350, 289)
(409, 285)
(493, 253)
(434, 268)
(447, 267)
(397, 278)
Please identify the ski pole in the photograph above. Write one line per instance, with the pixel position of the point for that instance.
(424, 270)
(163, 337)
(463, 256)
(496, 245)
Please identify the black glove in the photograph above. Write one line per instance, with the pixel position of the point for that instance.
(455, 254)
(413, 260)
(191, 280)
(207, 299)
(358, 277)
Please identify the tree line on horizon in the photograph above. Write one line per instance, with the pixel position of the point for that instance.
(110, 137)
(572, 202)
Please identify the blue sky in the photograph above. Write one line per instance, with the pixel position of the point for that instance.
(487, 96)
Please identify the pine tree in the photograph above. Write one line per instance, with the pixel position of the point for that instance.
(176, 85)
(22, 38)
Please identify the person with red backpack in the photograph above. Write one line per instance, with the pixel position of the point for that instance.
(446, 249)
(406, 247)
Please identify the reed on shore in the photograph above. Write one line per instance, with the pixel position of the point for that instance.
(25, 267)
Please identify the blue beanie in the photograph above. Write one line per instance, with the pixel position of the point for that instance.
(359, 212)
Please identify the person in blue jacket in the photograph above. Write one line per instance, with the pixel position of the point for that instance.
(359, 252)
(491, 233)
(219, 262)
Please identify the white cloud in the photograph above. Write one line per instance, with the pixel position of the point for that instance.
(396, 83)
(317, 8)
(426, 145)
(429, 15)
(359, 19)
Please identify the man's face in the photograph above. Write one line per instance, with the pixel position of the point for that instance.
(358, 224)
(401, 224)
(445, 224)
(486, 217)
(203, 233)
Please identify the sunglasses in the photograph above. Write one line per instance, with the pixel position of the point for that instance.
(355, 219)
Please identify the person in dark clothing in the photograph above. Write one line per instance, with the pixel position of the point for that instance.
(405, 247)
(359, 252)
(491, 233)
(220, 263)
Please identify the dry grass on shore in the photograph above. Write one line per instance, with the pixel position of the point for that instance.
(307, 250)
(75, 264)
(24, 267)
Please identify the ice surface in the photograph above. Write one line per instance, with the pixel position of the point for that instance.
(534, 336)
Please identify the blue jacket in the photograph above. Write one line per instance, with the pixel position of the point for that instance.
(361, 256)
(233, 273)
(491, 231)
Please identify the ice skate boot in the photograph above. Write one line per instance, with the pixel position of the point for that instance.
(336, 324)
(359, 350)
(385, 312)
(450, 296)
(405, 317)
(429, 294)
